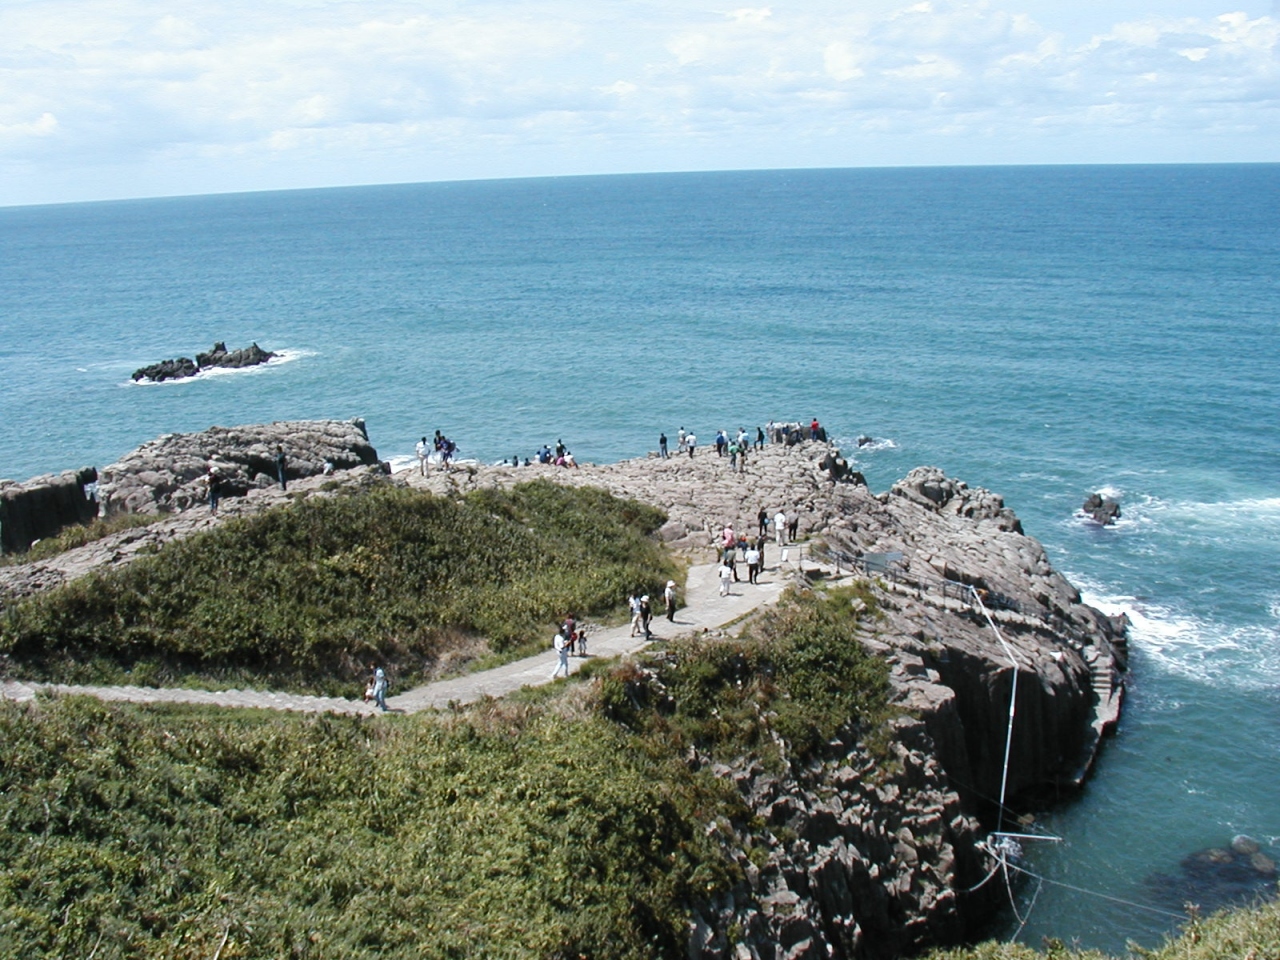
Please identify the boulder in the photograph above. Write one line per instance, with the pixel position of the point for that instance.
(167, 370)
(1102, 509)
(169, 473)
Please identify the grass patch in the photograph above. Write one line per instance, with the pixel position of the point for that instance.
(506, 832)
(78, 535)
(304, 596)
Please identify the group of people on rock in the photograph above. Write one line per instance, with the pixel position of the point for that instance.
(737, 446)
(439, 445)
(563, 456)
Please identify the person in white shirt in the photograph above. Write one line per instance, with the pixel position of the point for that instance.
(780, 528)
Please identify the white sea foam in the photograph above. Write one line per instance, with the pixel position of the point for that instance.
(849, 445)
(281, 357)
(1244, 657)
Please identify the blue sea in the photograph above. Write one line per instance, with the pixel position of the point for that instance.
(1045, 332)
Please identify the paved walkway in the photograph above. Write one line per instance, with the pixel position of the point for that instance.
(704, 609)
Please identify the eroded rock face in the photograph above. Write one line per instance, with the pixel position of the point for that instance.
(170, 473)
(42, 506)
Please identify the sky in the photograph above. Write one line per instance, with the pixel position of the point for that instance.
(106, 99)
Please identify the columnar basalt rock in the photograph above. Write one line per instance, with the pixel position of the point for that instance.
(42, 506)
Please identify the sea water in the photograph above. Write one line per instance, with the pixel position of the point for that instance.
(1043, 332)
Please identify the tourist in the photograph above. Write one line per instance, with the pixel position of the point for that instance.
(669, 598)
(280, 463)
(721, 443)
(570, 631)
(793, 527)
(691, 441)
(726, 575)
(215, 490)
(646, 616)
(730, 557)
(733, 458)
(423, 450)
(662, 446)
(560, 449)
(633, 602)
(561, 646)
(780, 528)
(680, 438)
(752, 556)
(759, 439)
(380, 689)
(762, 518)
(813, 429)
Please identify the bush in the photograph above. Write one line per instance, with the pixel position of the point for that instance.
(303, 595)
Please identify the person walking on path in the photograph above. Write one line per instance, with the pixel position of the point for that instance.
(380, 688)
(662, 445)
(726, 575)
(280, 463)
(423, 450)
(633, 602)
(780, 528)
(752, 556)
(561, 646)
(793, 527)
(669, 598)
(646, 616)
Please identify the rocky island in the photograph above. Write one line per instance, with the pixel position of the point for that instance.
(859, 848)
(219, 356)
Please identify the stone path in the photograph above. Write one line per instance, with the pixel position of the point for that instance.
(704, 609)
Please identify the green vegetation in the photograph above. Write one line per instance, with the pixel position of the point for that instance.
(305, 596)
(147, 834)
(562, 824)
(78, 535)
(1244, 934)
(796, 673)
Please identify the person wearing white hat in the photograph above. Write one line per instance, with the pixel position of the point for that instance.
(669, 596)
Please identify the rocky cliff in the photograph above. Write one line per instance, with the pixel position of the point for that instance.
(44, 505)
(844, 856)
(843, 862)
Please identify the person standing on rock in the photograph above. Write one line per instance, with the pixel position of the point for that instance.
(780, 528)
(215, 490)
(680, 436)
(759, 439)
(762, 518)
(280, 465)
(691, 441)
(423, 449)
(669, 598)
(793, 526)
(662, 445)
(561, 646)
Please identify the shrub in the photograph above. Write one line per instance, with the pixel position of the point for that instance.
(301, 596)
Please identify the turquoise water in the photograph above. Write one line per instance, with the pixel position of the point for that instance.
(1044, 332)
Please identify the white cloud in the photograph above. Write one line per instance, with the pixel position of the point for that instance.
(371, 90)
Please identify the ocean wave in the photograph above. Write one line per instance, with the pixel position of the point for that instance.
(208, 373)
(1242, 656)
(850, 444)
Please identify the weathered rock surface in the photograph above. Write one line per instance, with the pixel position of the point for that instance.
(44, 505)
(169, 473)
(219, 356)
